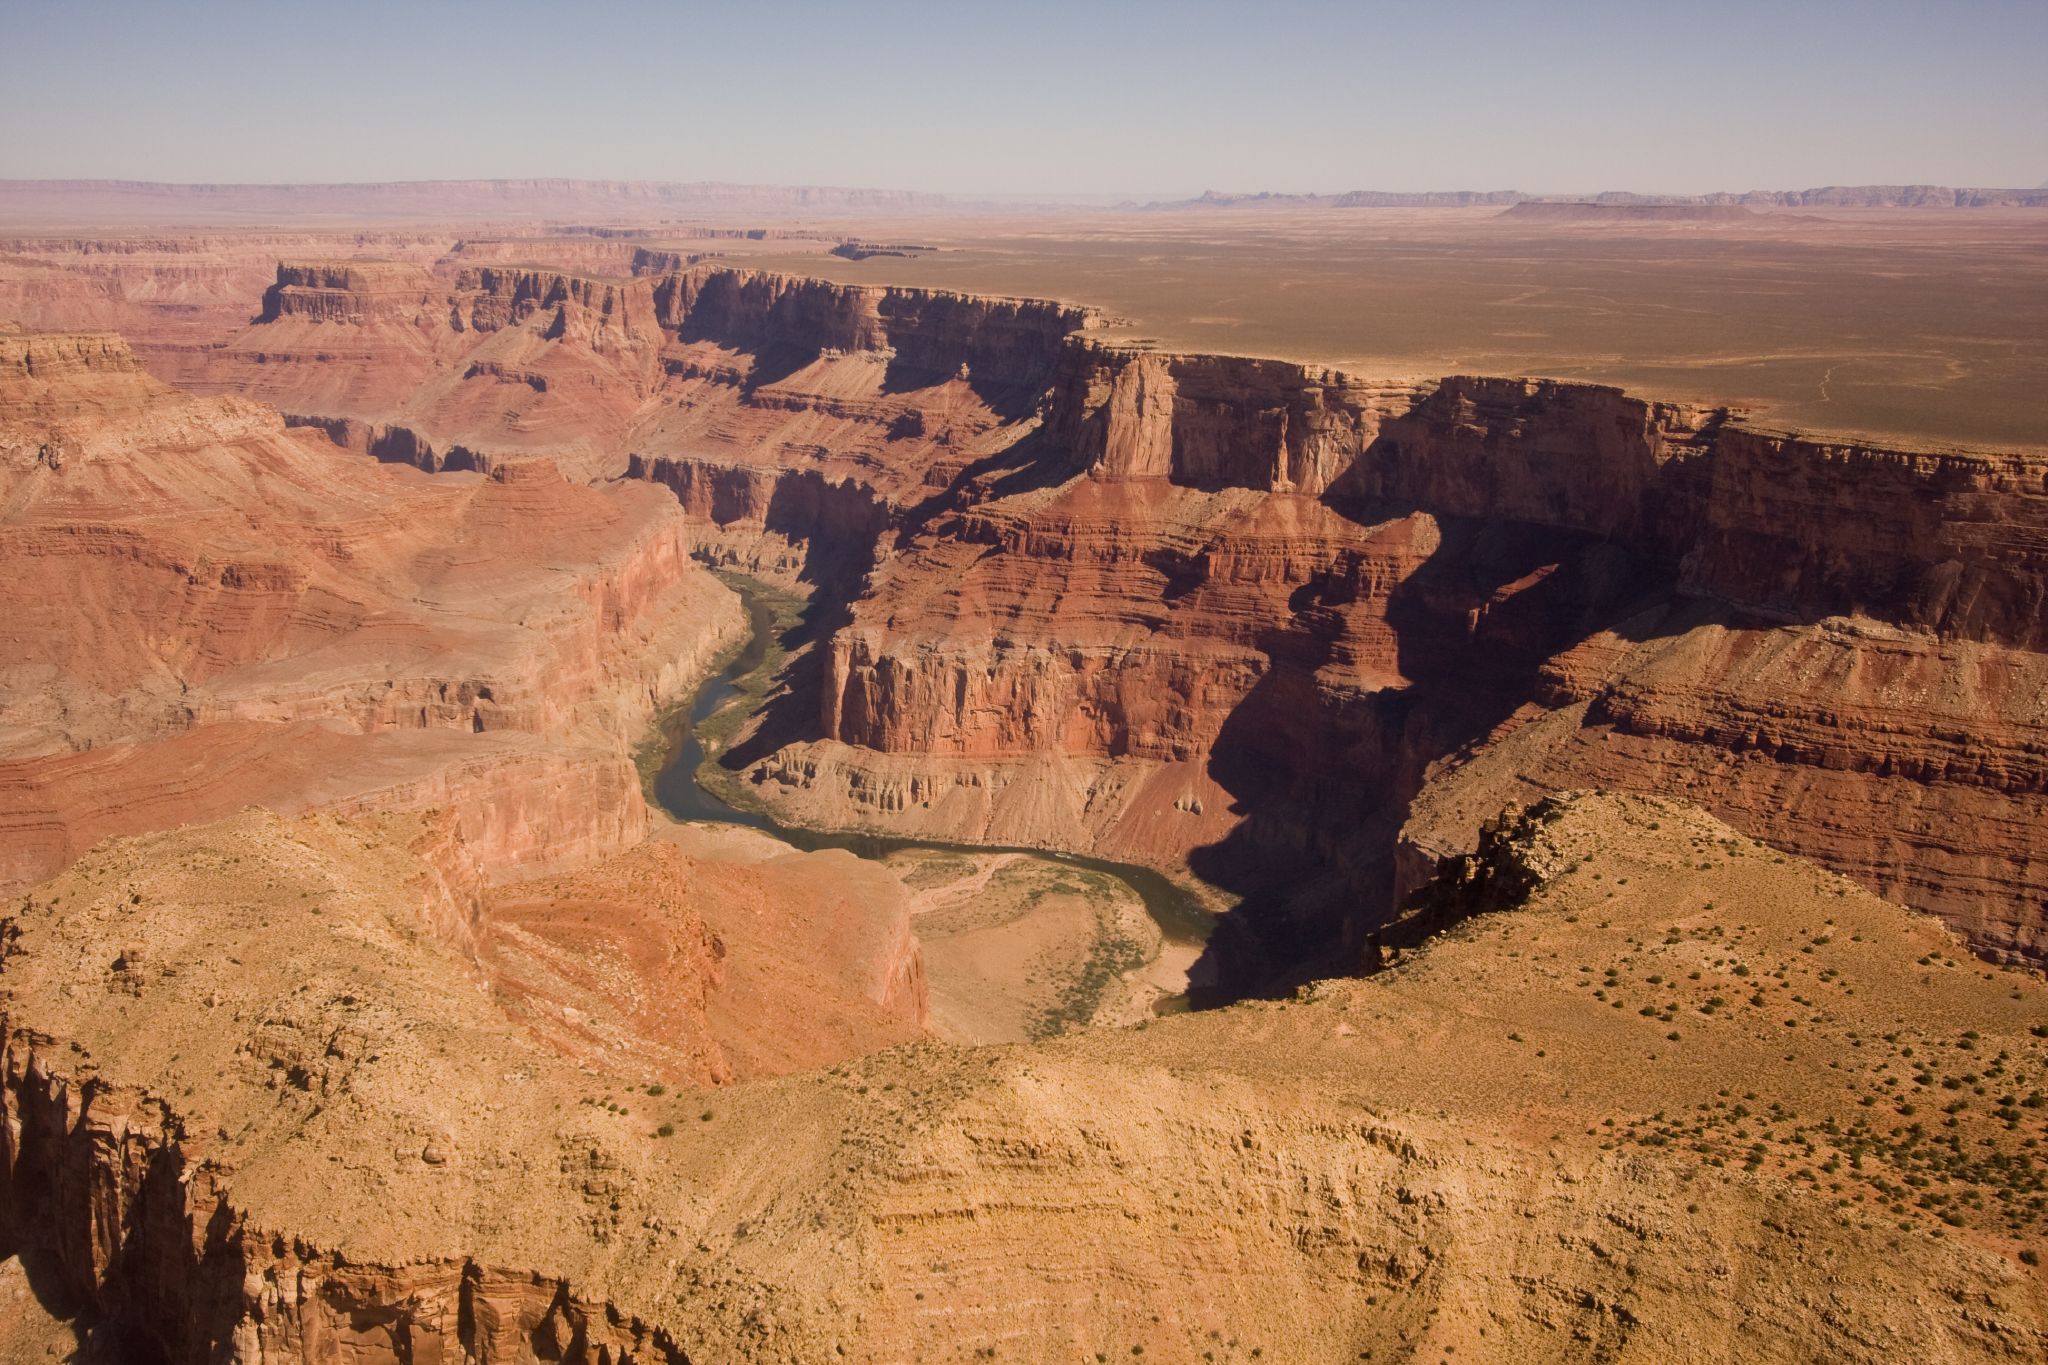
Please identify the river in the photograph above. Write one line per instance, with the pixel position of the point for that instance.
(679, 789)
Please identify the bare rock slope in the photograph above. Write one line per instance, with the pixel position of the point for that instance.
(1229, 616)
(203, 608)
(1649, 1091)
(1225, 614)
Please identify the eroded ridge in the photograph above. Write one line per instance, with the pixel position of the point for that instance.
(1227, 615)
(1627, 1010)
(272, 620)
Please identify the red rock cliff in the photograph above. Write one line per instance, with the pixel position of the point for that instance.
(1311, 590)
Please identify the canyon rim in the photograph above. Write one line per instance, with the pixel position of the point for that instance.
(616, 747)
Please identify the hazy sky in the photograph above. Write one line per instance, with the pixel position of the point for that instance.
(1047, 97)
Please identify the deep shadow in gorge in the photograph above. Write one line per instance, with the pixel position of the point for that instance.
(789, 714)
(1322, 779)
(1488, 528)
(1321, 775)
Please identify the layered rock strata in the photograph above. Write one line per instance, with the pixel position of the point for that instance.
(1236, 615)
(1300, 600)
(664, 358)
(273, 620)
(1361, 1170)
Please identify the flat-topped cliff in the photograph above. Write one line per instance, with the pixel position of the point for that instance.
(1595, 211)
(1190, 574)
(1197, 587)
(1283, 596)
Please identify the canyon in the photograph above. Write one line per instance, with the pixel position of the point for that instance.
(283, 623)
(346, 572)
(1096, 596)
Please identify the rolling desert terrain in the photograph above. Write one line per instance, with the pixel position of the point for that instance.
(624, 772)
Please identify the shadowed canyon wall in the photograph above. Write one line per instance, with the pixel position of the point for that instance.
(1267, 621)
(1321, 596)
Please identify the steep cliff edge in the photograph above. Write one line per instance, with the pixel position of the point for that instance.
(1236, 615)
(1249, 611)
(196, 1020)
(274, 620)
(349, 291)
(1294, 632)
(298, 969)
(659, 360)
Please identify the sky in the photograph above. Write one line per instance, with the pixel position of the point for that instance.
(1034, 98)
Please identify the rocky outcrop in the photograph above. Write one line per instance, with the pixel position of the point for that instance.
(1945, 541)
(393, 444)
(501, 358)
(156, 1244)
(1911, 763)
(260, 598)
(1292, 632)
(1318, 1179)
(160, 1224)
(1214, 421)
(1290, 596)
(51, 357)
(349, 292)
(174, 298)
(781, 525)
(659, 360)
(497, 297)
(1952, 544)
(932, 335)
(50, 377)
(1314, 590)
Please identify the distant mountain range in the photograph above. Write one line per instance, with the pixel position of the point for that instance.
(1831, 196)
(149, 202)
